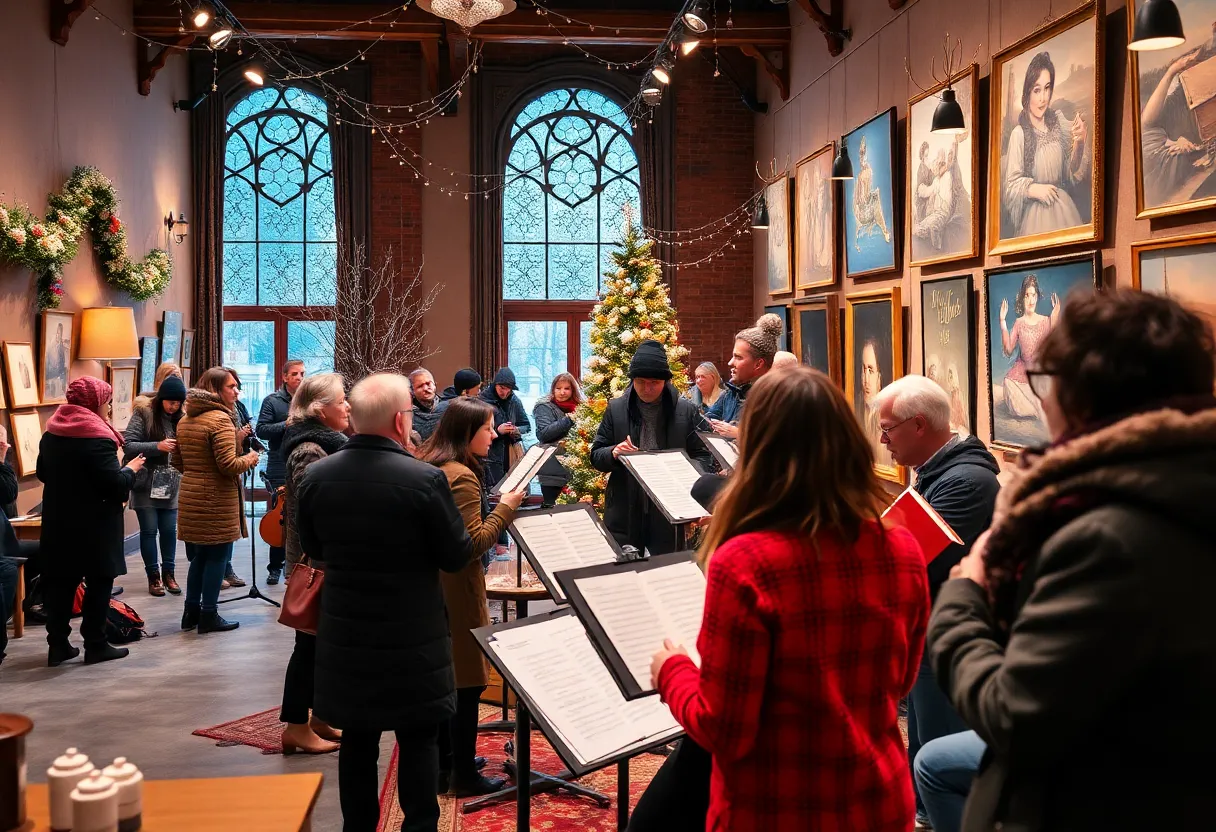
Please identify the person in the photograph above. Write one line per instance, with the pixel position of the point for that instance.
(384, 653)
(867, 201)
(1029, 330)
(783, 360)
(163, 371)
(510, 423)
(211, 513)
(1046, 160)
(1091, 590)
(246, 441)
(801, 576)
(316, 428)
(463, 437)
(467, 383)
(957, 476)
(706, 388)
(9, 546)
(152, 433)
(58, 358)
(554, 417)
(426, 403)
(84, 490)
(649, 416)
(272, 422)
(944, 769)
(753, 355)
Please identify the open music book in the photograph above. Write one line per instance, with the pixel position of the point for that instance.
(550, 662)
(913, 512)
(523, 471)
(723, 449)
(630, 608)
(564, 537)
(667, 477)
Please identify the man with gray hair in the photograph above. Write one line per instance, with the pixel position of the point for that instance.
(383, 524)
(957, 476)
(426, 403)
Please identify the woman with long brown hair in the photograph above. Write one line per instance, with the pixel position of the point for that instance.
(554, 418)
(815, 619)
(461, 440)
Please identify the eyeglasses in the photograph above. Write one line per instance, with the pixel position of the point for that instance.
(886, 432)
(1040, 382)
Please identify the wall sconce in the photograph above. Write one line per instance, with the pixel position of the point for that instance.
(177, 228)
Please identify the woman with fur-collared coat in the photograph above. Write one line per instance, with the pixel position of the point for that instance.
(1077, 637)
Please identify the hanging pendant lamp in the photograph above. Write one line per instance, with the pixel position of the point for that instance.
(760, 217)
(467, 13)
(842, 165)
(948, 117)
(1158, 26)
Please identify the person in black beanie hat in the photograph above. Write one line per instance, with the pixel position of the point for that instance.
(649, 416)
(152, 432)
(510, 422)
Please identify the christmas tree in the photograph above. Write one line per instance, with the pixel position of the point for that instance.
(634, 308)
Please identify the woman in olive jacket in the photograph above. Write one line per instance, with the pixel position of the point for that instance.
(461, 439)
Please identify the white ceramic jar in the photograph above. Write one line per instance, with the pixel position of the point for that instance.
(130, 782)
(61, 778)
(95, 804)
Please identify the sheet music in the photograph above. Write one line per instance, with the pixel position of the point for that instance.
(726, 449)
(566, 540)
(670, 477)
(628, 616)
(678, 594)
(527, 468)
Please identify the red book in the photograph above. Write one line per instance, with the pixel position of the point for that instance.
(911, 511)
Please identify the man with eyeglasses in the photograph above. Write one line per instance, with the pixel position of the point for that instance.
(957, 476)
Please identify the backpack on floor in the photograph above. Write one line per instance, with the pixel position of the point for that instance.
(123, 623)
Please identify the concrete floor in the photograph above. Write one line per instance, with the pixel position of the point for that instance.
(145, 706)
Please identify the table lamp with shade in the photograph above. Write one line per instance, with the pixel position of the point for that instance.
(107, 333)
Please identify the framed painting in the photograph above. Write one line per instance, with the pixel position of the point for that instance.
(1022, 303)
(1174, 118)
(947, 340)
(22, 377)
(817, 334)
(1183, 268)
(1045, 136)
(782, 311)
(942, 171)
(55, 349)
(149, 350)
(26, 438)
(122, 406)
(186, 373)
(871, 228)
(780, 244)
(171, 338)
(187, 348)
(815, 220)
(874, 357)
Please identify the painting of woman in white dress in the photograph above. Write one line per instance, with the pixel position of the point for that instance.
(815, 219)
(1046, 133)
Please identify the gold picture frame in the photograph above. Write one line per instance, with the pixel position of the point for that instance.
(780, 243)
(53, 379)
(869, 318)
(807, 243)
(25, 436)
(123, 381)
(21, 370)
(1184, 292)
(822, 354)
(920, 114)
(1003, 127)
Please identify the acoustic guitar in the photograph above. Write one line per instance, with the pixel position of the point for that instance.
(271, 526)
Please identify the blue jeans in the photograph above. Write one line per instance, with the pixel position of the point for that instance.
(8, 597)
(154, 522)
(944, 770)
(930, 715)
(207, 565)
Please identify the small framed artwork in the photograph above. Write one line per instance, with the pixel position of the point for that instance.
(1183, 268)
(815, 220)
(780, 243)
(1022, 304)
(171, 338)
(874, 357)
(942, 170)
(1045, 136)
(947, 340)
(783, 312)
(187, 348)
(871, 228)
(26, 439)
(149, 350)
(56, 351)
(122, 406)
(186, 373)
(22, 378)
(817, 334)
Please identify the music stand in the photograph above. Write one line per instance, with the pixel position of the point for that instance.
(253, 592)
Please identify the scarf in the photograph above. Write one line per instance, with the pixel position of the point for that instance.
(77, 422)
(568, 406)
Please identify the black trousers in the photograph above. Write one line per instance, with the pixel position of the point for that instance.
(677, 799)
(417, 779)
(458, 738)
(550, 493)
(297, 684)
(57, 598)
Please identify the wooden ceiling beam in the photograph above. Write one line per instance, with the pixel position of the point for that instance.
(148, 64)
(64, 13)
(831, 22)
(777, 70)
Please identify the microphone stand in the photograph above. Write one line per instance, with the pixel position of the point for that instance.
(253, 592)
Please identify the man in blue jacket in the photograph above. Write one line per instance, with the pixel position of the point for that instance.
(272, 422)
(751, 358)
(957, 476)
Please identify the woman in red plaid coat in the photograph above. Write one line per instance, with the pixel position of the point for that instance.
(815, 619)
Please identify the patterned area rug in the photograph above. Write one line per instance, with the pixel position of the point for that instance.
(262, 730)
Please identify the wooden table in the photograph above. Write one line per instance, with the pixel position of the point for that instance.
(274, 803)
(27, 529)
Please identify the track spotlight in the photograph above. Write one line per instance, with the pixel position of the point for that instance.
(255, 75)
(948, 117)
(694, 18)
(200, 17)
(662, 71)
(689, 44)
(842, 165)
(1158, 26)
(219, 38)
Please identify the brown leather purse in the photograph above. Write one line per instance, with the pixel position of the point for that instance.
(302, 600)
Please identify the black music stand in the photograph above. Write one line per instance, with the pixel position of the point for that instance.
(253, 592)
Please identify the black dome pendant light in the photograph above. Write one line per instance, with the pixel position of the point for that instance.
(1158, 26)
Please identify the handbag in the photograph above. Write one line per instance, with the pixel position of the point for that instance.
(302, 600)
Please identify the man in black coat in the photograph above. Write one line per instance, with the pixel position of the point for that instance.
(510, 421)
(272, 422)
(649, 416)
(384, 525)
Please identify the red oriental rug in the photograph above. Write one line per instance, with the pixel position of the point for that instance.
(262, 730)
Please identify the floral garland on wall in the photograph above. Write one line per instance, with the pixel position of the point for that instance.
(87, 201)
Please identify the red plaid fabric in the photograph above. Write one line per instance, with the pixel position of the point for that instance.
(805, 655)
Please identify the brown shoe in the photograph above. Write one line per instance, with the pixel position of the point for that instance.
(171, 583)
(324, 730)
(155, 587)
(299, 739)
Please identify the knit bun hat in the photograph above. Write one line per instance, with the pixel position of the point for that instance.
(762, 337)
(172, 389)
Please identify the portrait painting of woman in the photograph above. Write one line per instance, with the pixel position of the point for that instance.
(1046, 137)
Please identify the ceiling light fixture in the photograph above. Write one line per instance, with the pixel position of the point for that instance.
(200, 17)
(255, 75)
(842, 165)
(1158, 26)
(662, 71)
(760, 217)
(948, 117)
(694, 18)
(689, 44)
(219, 38)
(467, 13)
